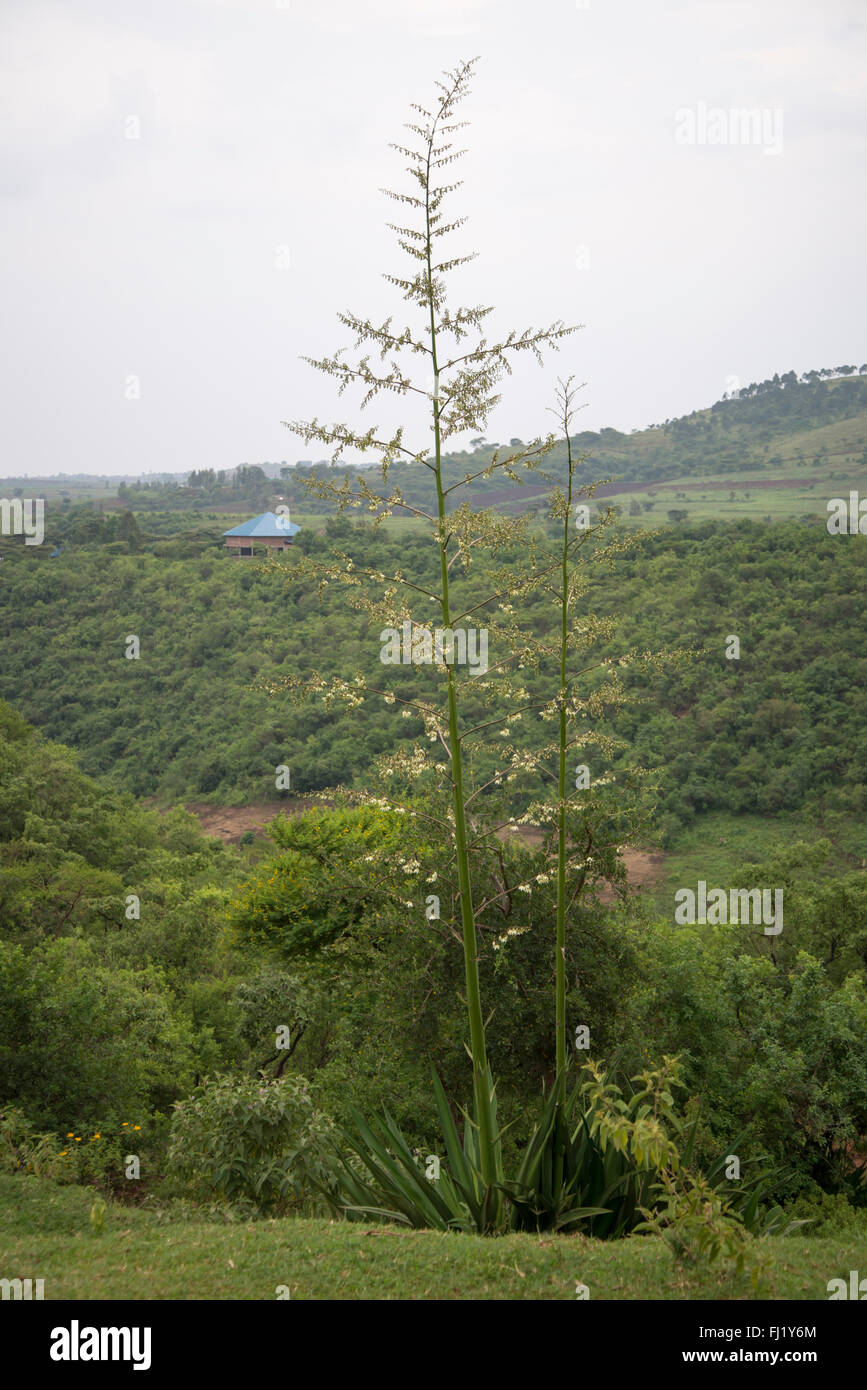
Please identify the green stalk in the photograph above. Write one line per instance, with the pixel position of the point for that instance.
(484, 1116)
(560, 985)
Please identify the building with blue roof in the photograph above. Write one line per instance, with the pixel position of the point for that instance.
(271, 530)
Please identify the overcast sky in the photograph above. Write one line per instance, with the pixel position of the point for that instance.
(263, 138)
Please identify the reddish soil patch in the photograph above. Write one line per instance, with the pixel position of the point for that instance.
(228, 823)
(643, 867)
(530, 834)
(741, 485)
(505, 498)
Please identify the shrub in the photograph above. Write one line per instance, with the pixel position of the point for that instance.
(117, 1041)
(23, 1151)
(249, 1139)
(100, 1158)
(828, 1214)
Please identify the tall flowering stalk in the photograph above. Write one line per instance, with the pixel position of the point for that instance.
(565, 399)
(569, 590)
(459, 386)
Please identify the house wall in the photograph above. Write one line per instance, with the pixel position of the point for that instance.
(249, 543)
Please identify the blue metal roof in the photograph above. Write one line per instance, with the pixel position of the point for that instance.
(268, 524)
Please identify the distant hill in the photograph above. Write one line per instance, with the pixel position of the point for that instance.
(804, 428)
(776, 731)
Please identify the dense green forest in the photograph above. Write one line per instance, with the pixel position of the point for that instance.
(171, 962)
(135, 1002)
(768, 733)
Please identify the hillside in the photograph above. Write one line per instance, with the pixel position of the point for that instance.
(788, 432)
(806, 430)
(770, 733)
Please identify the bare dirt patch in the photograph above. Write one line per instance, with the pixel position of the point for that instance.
(228, 823)
(644, 868)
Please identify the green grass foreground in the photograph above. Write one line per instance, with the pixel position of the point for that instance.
(46, 1233)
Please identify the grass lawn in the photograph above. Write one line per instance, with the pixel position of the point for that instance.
(46, 1233)
(719, 847)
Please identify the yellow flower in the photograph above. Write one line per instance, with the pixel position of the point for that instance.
(78, 1138)
(63, 1153)
(125, 1123)
(136, 1126)
(70, 1135)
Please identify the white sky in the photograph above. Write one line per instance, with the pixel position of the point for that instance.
(267, 125)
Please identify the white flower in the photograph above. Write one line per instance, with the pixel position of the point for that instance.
(512, 931)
